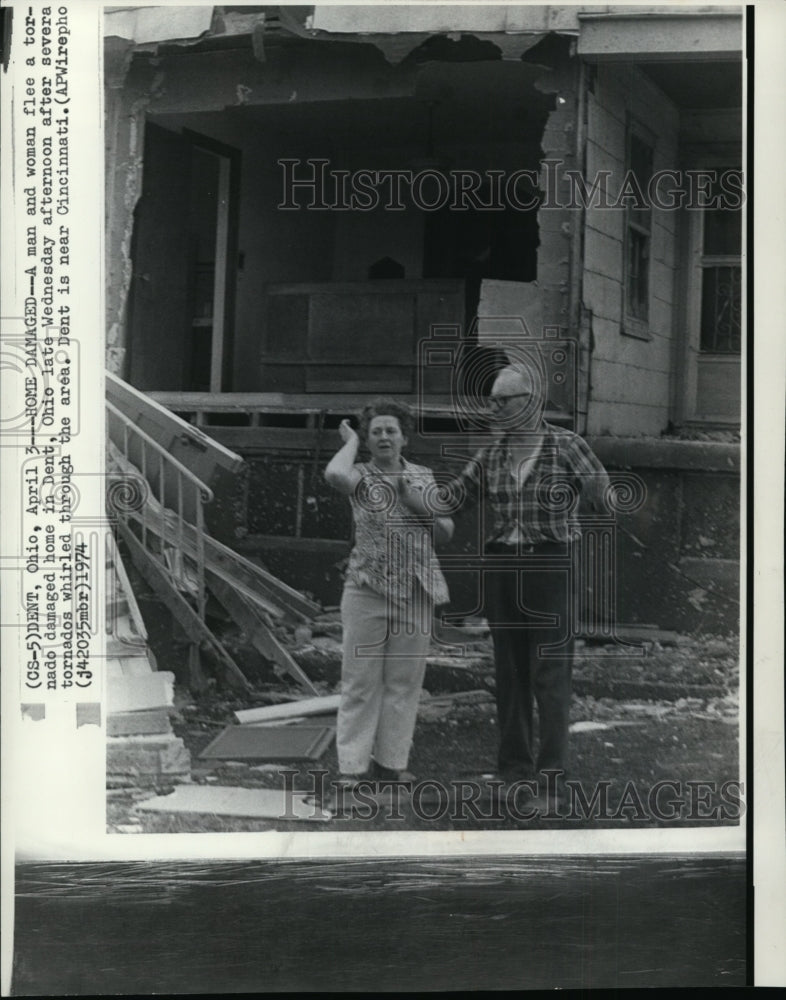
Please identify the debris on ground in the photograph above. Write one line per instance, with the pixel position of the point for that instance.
(662, 706)
(260, 803)
(301, 707)
(260, 743)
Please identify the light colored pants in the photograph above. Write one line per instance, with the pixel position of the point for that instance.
(385, 649)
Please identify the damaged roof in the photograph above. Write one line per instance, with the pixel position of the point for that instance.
(603, 31)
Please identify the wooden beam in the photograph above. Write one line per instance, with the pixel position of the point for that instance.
(263, 543)
(125, 586)
(289, 710)
(190, 621)
(661, 36)
(257, 630)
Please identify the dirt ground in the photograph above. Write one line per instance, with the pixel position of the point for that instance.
(669, 715)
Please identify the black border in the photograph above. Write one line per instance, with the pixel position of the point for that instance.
(749, 493)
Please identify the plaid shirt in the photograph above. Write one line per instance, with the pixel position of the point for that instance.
(565, 477)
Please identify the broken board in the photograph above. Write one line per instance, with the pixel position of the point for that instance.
(269, 743)
(251, 803)
(306, 706)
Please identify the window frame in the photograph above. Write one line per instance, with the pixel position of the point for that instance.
(632, 325)
(688, 304)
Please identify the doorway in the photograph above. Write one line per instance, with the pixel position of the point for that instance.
(184, 252)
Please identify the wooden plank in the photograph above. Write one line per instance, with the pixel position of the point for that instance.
(196, 450)
(379, 286)
(248, 578)
(205, 457)
(262, 543)
(125, 586)
(308, 706)
(194, 627)
(220, 275)
(284, 402)
(305, 441)
(257, 630)
(252, 803)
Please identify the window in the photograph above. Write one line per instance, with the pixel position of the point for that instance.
(638, 231)
(721, 282)
(709, 382)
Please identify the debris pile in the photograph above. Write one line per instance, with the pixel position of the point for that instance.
(142, 749)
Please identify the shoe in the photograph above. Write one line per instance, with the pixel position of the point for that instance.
(339, 798)
(348, 781)
(382, 773)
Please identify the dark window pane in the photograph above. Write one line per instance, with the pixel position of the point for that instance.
(722, 226)
(637, 285)
(721, 330)
(641, 168)
(723, 231)
(639, 223)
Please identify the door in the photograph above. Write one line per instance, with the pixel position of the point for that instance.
(184, 254)
(159, 317)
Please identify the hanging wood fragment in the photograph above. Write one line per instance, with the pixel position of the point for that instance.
(256, 629)
(181, 610)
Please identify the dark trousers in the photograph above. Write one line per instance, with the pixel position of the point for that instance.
(527, 671)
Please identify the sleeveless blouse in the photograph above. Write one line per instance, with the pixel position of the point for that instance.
(393, 552)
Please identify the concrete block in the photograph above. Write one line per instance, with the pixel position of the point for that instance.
(149, 721)
(147, 758)
(131, 694)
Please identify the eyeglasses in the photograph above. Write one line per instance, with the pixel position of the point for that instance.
(499, 402)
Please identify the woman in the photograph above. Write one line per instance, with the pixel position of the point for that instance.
(392, 583)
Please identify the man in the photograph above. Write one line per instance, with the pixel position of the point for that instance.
(537, 479)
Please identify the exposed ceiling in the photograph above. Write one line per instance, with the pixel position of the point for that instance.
(698, 85)
(459, 103)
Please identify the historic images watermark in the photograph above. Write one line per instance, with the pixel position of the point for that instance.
(494, 801)
(315, 185)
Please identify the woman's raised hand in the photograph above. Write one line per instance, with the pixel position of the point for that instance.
(347, 433)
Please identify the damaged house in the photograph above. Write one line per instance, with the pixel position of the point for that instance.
(310, 206)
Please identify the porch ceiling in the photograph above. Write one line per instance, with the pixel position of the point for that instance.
(702, 86)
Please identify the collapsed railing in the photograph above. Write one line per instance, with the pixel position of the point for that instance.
(182, 562)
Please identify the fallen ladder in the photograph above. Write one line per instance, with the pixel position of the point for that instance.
(181, 562)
